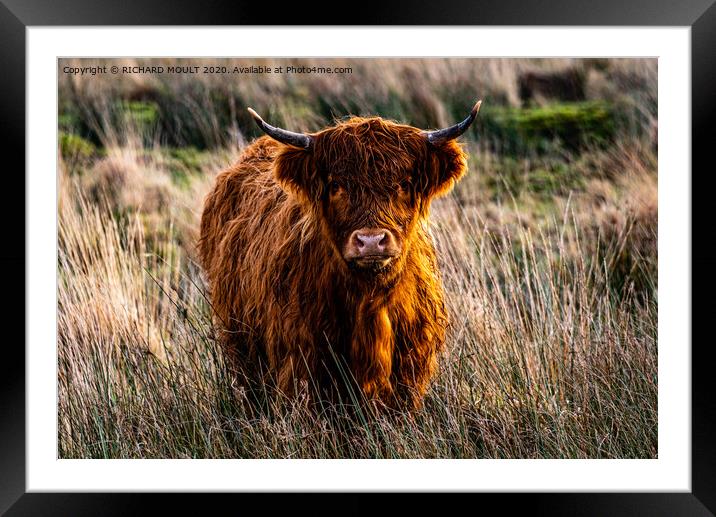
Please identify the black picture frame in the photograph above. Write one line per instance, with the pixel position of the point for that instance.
(16, 15)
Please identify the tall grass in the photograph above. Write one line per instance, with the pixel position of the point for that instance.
(548, 262)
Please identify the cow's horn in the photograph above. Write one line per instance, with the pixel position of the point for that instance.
(287, 137)
(450, 133)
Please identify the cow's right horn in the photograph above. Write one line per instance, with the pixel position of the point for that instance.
(287, 137)
(450, 133)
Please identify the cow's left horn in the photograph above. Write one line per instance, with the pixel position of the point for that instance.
(287, 137)
(450, 133)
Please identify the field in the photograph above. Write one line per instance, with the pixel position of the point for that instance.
(548, 252)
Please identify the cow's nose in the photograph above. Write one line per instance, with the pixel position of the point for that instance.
(372, 242)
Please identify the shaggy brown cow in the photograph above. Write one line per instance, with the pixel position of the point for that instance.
(320, 263)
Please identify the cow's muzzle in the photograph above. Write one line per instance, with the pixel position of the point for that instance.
(371, 248)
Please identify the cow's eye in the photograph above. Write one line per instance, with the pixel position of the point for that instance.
(334, 187)
(404, 186)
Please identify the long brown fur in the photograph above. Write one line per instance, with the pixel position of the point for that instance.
(285, 299)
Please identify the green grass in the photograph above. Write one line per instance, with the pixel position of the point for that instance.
(544, 129)
(143, 115)
(74, 147)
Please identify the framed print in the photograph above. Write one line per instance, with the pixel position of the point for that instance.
(416, 259)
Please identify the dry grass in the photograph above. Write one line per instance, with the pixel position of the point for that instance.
(553, 294)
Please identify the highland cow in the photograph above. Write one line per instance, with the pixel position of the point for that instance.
(321, 268)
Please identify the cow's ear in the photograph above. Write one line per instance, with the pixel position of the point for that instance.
(297, 174)
(446, 163)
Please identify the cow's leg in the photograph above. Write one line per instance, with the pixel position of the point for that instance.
(372, 352)
(415, 368)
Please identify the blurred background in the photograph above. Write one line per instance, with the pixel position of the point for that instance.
(541, 99)
(548, 250)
